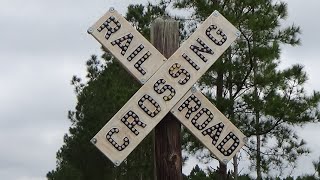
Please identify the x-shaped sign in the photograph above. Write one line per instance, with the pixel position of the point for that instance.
(166, 87)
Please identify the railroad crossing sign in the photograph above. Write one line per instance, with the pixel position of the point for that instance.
(166, 87)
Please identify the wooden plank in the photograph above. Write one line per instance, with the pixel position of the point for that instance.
(166, 87)
(134, 52)
(167, 134)
(209, 125)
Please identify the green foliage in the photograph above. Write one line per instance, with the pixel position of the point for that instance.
(141, 16)
(64, 172)
(306, 177)
(248, 87)
(316, 165)
(98, 100)
(107, 89)
(197, 174)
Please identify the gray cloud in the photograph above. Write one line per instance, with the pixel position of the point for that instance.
(305, 15)
(43, 43)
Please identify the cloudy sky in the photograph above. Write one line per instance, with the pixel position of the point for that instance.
(43, 43)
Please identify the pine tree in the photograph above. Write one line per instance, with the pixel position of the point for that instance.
(316, 165)
(107, 89)
(197, 174)
(247, 85)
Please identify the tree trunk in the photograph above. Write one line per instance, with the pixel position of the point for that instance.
(258, 138)
(259, 175)
(222, 171)
(235, 167)
(167, 140)
(257, 120)
(229, 85)
(222, 167)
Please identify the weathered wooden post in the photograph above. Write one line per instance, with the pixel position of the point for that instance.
(167, 138)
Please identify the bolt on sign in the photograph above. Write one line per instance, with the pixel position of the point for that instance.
(166, 87)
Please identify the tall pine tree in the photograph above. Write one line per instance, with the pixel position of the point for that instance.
(247, 85)
(107, 89)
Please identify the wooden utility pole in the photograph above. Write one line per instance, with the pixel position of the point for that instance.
(167, 138)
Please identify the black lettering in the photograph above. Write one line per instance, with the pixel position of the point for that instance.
(107, 25)
(123, 42)
(203, 111)
(219, 32)
(136, 121)
(214, 132)
(163, 89)
(200, 50)
(232, 148)
(135, 52)
(192, 63)
(138, 64)
(176, 66)
(153, 102)
(114, 143)
(186, 104)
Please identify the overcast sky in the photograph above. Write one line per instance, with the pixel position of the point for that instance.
(43, 43)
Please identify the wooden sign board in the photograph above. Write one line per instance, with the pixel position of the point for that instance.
(135, 53)
(165, 88)
(209, 125)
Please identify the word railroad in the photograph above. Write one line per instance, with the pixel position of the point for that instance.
(166, 87)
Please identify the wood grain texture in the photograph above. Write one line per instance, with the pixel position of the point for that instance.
(167, 137)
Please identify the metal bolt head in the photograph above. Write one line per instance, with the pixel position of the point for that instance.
(225, 161)
(93, 140)
(238, 33)
(215, 13)
(117, 163)
(112, 9)
(90, 30)
(193, 89)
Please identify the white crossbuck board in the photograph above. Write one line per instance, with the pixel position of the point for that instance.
(154, 100)
(134, 52)
(209, 125)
